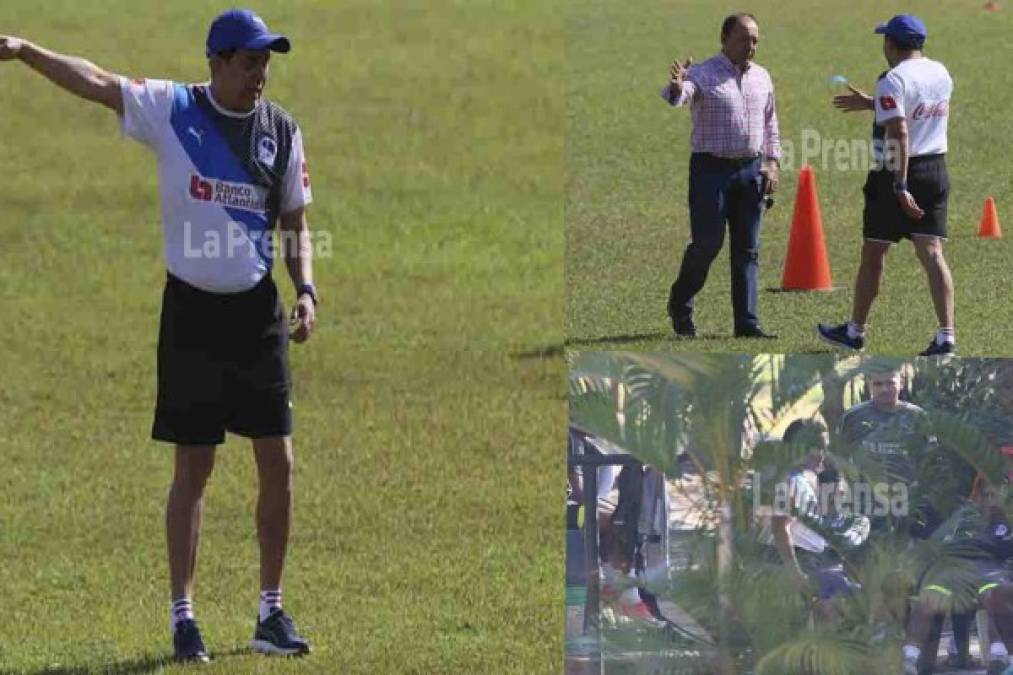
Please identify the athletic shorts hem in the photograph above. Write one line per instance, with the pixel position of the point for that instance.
(166, 436)
(261, 433)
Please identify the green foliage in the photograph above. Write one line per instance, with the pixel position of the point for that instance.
(706, 403)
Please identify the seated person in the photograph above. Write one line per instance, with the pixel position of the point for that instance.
(809, 509)
(971, 574)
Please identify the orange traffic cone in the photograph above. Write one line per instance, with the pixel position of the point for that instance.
(991, 6)
(989, 228)
(806, 267)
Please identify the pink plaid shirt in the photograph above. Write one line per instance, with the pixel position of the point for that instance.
(733, 111)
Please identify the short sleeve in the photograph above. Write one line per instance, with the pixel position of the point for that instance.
(803, 498)
(147, 106)
(889, 98)
(295, 191)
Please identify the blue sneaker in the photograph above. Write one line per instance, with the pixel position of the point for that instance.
(187, 643)
(838, 336)
(276, 635)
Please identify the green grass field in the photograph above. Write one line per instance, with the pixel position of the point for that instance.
(429, 405)
(627, 155)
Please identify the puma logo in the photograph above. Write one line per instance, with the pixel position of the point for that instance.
(199, 135)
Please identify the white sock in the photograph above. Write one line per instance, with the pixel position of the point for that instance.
(911, 653)
(946, 335)
(855, 331)
(269, 601)
(951, 646)
(181, 609)
(998, 649)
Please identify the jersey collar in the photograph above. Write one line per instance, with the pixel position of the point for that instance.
(223, 111)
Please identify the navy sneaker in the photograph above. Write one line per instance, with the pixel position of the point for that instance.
(187, 643)
(936, 349)
(276, 635)
(838, 336)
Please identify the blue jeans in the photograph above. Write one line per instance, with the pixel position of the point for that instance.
(722, 191)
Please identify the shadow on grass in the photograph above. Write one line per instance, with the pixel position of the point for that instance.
(623, 339)
(144, 664)
(546, 352)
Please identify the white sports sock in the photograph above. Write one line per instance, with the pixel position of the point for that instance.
(946, 335)
(911, 653)
(855, 331)
(181, 610)
(269, 601)
(998, 649)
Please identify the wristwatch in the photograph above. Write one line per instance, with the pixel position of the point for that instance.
(900, 186)
(310, 290)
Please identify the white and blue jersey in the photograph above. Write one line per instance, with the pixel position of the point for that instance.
(224, 179)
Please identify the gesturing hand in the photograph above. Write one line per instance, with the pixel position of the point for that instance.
(678, 72)
(10, 47)
(853, 102)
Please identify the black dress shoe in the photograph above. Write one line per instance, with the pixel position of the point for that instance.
(684, 326)
(754, 332)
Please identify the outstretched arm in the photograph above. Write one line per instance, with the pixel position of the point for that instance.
(853, 102)
(74, 74)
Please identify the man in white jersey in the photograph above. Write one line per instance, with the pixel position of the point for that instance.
(906, 192)
(230, 164)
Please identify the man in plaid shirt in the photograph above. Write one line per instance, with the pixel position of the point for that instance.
(734, 166)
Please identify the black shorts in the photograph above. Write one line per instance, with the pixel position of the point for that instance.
(222, 365)
(928, 182)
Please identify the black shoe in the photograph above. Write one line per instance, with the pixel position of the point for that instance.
(754, 332)
(684, 326)
(936, 349)
(276, 635)
(187, 643)
(838, 336)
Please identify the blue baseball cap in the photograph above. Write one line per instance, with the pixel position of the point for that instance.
(242, 29)
(906, 30)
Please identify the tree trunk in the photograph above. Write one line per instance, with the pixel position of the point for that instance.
(832, 407)
(726, 556)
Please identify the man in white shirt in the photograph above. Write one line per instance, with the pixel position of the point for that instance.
(230, 165)
(809, 496)
(906, 193)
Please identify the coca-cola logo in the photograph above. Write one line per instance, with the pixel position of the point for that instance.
(937, 109)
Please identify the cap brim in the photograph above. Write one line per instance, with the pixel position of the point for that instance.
(880, 29)
(272, 41)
